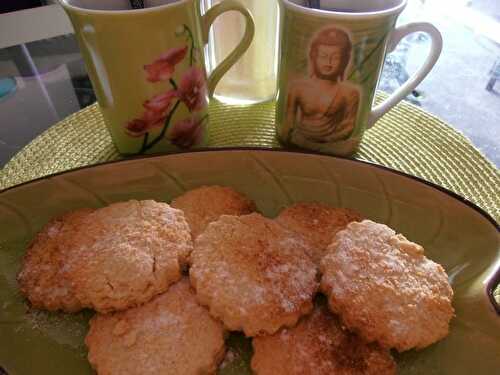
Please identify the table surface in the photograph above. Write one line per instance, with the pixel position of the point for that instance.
(407, 139)
(50, 82)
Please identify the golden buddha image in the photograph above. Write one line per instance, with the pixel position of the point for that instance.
(324, 106)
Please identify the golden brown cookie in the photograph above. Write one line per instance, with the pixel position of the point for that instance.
(318, 223)
(127, 253)
(319, 345)
(171, 334)
(385, 289)
(41, 278)
(207, 203)
(253, 274)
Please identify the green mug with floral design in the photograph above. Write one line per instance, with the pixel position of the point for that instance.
(148, 70)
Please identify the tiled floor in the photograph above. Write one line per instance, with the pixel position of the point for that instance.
(456, 89)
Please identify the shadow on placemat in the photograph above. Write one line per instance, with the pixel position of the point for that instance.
(407, 139)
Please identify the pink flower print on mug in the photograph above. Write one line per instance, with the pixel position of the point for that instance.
(192, 89)
(188, 132)
(163, 68)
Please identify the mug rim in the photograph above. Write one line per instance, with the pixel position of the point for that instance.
(119, 12)
(349, 15)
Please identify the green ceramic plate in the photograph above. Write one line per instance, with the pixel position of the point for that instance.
(454, 232)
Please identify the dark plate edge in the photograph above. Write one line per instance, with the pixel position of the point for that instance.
(493, 281)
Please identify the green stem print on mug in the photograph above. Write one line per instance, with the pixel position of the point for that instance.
(159, 110)
(359, 52)
(184, 30)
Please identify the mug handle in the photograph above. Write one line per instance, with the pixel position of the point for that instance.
(414, 81)
(207, 21)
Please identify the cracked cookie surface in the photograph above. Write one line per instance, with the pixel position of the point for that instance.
(207, 203)
(317, 223)
(319, 345)
(253, 274)
(126, 253)
(42, 278)
(170, 335)
(385, 289)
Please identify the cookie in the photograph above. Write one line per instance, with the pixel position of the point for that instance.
(385, 289)
(171, 334)
(319, 345)
(207, 203)
(253, 274)
(127, 253)
(41, 278)
(317, 223)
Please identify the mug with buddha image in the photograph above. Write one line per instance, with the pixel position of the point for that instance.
(331, 58)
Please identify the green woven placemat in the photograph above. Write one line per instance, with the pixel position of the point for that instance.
(406, 139)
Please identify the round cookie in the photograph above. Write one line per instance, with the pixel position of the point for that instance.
(385, 289)
(319, 345)
(317, 223)
(253, 274)
(41, 278)
(207, 203)
(171, 334)
(127, 253)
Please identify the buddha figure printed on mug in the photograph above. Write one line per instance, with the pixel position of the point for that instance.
(330, 60)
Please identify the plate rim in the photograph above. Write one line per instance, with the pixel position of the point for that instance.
(492, 281)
